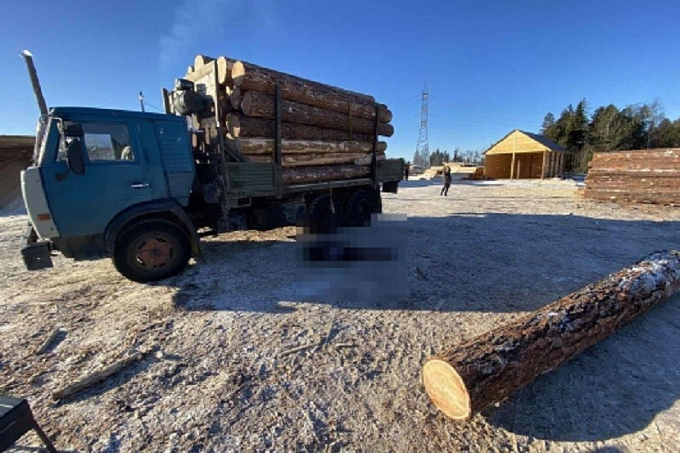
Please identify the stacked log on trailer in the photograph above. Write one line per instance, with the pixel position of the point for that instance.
(643, 176)
(326, 133)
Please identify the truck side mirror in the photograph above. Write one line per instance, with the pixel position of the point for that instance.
(74, 130)
(75, 156)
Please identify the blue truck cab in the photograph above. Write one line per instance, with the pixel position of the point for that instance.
(106, 180)
(139, 187)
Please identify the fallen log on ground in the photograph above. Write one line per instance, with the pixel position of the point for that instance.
(96, 377)
(464, 379)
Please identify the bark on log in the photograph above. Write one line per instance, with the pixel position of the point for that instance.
(308, 160)
(225, 104)
(262, 106)
(243, 126)
(266, 146)
(234, 95)
(466, 378)
(305, 175)
(263, 80)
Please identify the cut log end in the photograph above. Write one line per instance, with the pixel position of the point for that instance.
(237, 73)
(233, 126)
(446, 389)
(235, 97)
(201, 60)
(224, 70)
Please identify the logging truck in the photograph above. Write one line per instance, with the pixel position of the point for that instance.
(143, 188)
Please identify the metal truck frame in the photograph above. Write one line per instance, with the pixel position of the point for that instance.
(142, 188)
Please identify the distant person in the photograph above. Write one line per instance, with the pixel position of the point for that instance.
(447, 181)
(406, 169)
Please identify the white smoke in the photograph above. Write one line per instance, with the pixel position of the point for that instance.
(193, 20)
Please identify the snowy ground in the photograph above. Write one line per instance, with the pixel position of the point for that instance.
(219, 374)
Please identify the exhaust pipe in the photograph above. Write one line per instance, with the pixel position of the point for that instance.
(28, 58)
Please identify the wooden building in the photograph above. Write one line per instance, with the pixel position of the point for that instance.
(524, 155)
(15, 153)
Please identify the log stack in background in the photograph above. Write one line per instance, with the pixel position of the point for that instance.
(644, 176)
(327, 132)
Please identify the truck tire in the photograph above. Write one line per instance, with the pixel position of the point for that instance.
(359, 206)
(321, 216)
(151, 250)
(321, 206)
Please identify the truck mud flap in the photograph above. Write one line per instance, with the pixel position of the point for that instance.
(390, 186)
(36, 255)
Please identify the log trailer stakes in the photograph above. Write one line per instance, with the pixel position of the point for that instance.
(239, 147)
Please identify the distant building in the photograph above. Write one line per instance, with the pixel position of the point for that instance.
(524, 155)
(16, 152)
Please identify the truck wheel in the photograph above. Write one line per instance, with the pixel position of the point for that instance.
(151, 250)
(321, 213)
(321, 206)
(359, 207)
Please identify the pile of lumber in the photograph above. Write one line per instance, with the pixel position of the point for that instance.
(326, 132)
(477, 175)
(643, 176)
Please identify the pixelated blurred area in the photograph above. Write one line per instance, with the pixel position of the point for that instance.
(364, 264)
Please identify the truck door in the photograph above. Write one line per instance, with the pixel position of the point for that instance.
(115, 179)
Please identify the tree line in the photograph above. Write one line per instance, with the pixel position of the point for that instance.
(639, 126)
(438, 157)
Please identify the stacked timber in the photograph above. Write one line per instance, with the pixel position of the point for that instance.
(327, 133)
(643, 176)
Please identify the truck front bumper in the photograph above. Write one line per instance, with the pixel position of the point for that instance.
(36, 255)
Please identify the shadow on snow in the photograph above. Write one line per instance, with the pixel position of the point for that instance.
(487, 263)
(499, 263)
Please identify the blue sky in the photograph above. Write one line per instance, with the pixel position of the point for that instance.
(491, 66)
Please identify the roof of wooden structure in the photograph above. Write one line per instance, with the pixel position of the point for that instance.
(519, 141)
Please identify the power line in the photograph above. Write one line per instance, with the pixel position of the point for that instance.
(143, 103)
(153, 107)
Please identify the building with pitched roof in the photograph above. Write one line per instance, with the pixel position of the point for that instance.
(524, 155)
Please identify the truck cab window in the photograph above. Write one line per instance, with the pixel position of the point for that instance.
(108, 142)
